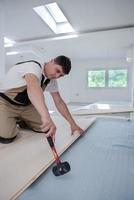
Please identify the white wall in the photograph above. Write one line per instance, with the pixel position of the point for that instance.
(79, 92)
(73, 87)
(2, 49)
(24, 56)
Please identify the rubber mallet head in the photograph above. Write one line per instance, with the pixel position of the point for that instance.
(62, 167)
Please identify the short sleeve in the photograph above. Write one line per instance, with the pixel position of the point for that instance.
(52, 86)
(30, 67)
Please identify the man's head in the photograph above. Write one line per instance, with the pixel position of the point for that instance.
(57, 67)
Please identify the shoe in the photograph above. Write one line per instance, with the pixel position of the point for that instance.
(22, 124)
(6, 140)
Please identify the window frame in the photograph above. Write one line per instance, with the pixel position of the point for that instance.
(107, 76)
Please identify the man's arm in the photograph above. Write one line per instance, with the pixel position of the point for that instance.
(36, 97)
(62, 108)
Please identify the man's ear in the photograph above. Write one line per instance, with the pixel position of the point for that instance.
(52, 61)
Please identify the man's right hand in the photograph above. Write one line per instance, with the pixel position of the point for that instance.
(34, 90)
(48, 127)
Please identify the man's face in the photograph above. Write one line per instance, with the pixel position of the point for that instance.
(53, 70)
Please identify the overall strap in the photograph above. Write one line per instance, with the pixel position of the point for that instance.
(43, 83)
(24, 93)
(10, 100)
(29, 61)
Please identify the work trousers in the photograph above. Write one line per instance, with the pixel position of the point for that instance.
(10, 114)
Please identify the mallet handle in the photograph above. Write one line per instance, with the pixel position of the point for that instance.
(51, 143)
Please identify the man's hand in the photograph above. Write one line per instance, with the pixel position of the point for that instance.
(62, 108)
(76, 128)
(48, 127)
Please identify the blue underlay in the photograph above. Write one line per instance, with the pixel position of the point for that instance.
(102, 166)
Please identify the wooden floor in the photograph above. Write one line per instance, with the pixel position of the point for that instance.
(22, 161)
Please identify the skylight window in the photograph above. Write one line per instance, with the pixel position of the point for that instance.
(56, 12)
(8, 42)
(54, 18)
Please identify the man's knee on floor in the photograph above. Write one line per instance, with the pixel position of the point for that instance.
(8, 134)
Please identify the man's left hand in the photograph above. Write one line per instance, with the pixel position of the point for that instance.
(76, 128)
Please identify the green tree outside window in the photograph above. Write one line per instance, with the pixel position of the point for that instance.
(96, 78)
(117, 78)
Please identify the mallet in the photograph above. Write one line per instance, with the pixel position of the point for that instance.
(62, 167)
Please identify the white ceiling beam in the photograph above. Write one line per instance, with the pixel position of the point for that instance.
(82, 33)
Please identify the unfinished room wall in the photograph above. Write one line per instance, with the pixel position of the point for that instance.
(80, 91)
(2, 49)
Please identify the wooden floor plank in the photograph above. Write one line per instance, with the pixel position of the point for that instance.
(29, 156)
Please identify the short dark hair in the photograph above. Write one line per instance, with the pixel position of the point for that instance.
(65, 62)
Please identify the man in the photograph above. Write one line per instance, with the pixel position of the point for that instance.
(21, 97)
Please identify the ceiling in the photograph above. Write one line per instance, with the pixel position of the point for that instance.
(105, 28)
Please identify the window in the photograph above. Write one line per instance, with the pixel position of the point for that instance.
(107, 78)
(8, 42)
(53, 16)
(96, 78)
(117, 78)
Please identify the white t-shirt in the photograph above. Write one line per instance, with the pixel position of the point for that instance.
(15, 77)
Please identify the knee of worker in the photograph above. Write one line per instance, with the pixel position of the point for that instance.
(7, 132)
